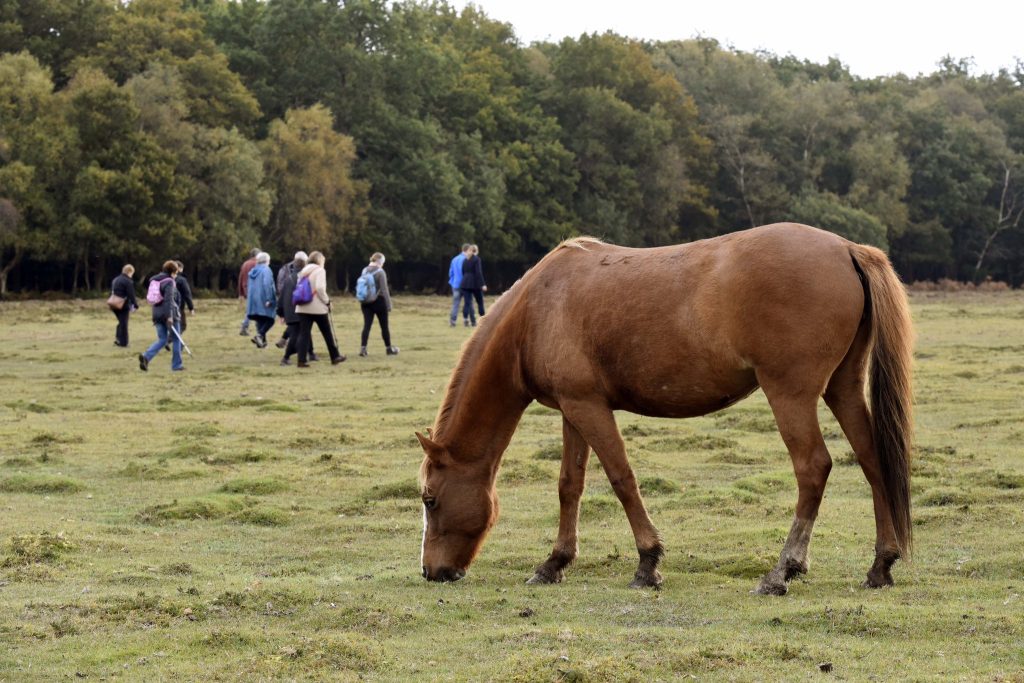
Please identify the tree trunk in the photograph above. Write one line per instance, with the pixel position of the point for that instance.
(6, 270)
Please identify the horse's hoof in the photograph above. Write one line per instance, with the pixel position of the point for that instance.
(645, 580)
(878, 580)
(770, 587)
(541, 578)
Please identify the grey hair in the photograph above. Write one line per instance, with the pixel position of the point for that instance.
(263, 257)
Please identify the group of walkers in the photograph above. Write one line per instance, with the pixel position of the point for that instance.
(169, 294)
(297, 295)
(466, 277)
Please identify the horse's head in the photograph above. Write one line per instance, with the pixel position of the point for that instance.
(460, 506)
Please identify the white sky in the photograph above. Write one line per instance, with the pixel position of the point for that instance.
(871, 37)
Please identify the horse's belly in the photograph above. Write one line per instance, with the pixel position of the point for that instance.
(684, 397)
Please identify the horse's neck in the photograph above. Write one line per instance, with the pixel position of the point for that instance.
(483, 405)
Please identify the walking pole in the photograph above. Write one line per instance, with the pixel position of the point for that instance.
(330, 319)
(183, 344)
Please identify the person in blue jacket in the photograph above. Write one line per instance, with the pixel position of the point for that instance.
(455, 279)
(261, 302)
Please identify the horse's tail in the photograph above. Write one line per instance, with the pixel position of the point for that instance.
(891, 385)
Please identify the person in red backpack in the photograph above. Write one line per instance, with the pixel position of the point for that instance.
(166, 317)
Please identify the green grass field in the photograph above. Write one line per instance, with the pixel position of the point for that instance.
(246, 521)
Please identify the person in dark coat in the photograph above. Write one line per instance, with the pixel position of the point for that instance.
(124, 287)
(472, 286)
(286, 309)
(286, 271)
(184, 295)
(166, 318)
(379, 307)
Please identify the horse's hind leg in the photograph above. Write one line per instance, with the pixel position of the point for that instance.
(575, 454)
(597, 425)
(797, 418)
(845, 397)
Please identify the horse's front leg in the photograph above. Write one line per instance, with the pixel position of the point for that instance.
(571, 481)
(597, 425)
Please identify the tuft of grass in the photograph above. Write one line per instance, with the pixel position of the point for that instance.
(945, 496)
(207, 508)
(39, 483)
(41, 548)
(705, 442)
(650, 486)
(254, 487)
(549, 452)
(198, 430)
(408, 489)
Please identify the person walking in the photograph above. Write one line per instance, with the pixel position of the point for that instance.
(472, 286)
(316, 311)
(455, 280)
(123, 287)
(286, 308)
(261, 302)
(243, 288)
(288, 271)
(165, 318)
(379, 305)
(184, 295)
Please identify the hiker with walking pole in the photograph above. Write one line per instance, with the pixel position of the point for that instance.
(314, 306)
(166, 317)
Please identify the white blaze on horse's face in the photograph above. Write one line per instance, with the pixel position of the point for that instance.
(459, 508)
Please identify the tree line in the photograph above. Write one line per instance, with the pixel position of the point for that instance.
(196, 129)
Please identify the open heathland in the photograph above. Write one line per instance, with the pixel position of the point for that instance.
(247, 521)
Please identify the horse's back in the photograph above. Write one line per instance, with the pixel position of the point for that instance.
(687, 329)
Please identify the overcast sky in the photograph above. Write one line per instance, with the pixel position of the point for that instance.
(872, 37)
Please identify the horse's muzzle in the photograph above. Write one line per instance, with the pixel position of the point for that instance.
(445, 574)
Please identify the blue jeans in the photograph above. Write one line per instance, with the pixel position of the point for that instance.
(163, 331)
(456, 300)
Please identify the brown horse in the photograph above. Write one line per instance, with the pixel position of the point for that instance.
(677, 332)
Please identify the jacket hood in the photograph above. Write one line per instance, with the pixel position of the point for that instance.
(309, 269)
(255, 272)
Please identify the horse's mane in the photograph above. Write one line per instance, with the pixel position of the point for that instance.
(471, 350)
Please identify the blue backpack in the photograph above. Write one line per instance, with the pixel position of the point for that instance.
(366, 288)
(303, 292)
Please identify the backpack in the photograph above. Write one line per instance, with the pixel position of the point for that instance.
(153, 295)
(366, 288)
(303, 292)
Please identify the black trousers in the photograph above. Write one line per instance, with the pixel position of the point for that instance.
(378, 308)
(291, 333)
(467, 309)
(121, 335)
(306, 321)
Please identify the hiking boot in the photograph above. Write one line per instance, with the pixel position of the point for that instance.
(244, 332)
(281, 343)
(302, 365)
(143, 363)
(451, 323)
(362, 351)
(392, 350)
(313, 357)
(465, 323)
(182, 369)
(339, 359)
(285, 361)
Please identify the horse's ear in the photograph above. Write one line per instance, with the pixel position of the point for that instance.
(433, 450)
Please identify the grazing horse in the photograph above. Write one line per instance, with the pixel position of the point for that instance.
(680, 331)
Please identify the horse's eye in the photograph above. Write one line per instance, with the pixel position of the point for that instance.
(429, 502)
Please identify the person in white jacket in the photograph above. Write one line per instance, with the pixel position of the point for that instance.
(316, 311)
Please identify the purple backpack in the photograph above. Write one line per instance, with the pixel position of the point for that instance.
(303, 292)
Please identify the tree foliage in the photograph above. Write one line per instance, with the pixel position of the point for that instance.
(199, 128)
